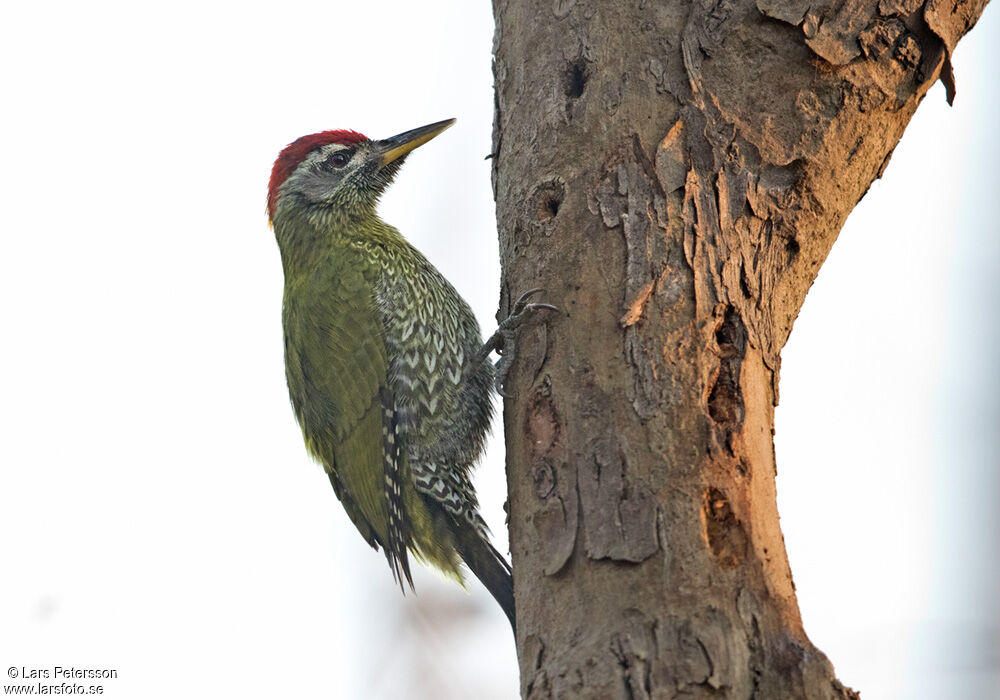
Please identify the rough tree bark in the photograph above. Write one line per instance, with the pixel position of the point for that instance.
(674, 174)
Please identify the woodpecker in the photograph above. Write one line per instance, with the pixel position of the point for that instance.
(387, 372)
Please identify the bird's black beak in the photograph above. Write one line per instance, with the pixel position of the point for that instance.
(395, 147)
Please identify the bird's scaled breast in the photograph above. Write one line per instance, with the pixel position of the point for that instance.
(428, 353)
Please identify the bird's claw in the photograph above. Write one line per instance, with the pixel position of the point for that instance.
(523, 300)
(505, 334)
(520, 311)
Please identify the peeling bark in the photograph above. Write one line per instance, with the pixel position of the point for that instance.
(674, 174)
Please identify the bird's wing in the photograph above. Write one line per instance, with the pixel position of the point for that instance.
(398, 537)
(343, 365)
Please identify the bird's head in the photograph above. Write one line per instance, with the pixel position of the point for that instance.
(340, 170)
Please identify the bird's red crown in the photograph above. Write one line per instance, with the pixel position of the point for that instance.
(294, 153)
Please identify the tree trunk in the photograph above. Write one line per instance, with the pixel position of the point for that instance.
(674, 174)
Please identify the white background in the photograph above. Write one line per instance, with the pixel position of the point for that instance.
(158, 513)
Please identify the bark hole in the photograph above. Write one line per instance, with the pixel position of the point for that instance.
(725, 401)
(548, 198)
(723, 532)
(576, 79)
(744, 283)
(792, 248)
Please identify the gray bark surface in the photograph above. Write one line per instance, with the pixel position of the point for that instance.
(674, 174)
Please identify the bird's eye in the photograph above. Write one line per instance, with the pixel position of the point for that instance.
(340, 159)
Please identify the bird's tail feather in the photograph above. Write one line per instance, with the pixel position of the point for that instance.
(490, 567)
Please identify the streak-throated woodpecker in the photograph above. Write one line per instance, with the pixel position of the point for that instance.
(387, 372)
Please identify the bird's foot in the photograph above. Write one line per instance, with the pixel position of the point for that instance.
(504, 341)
